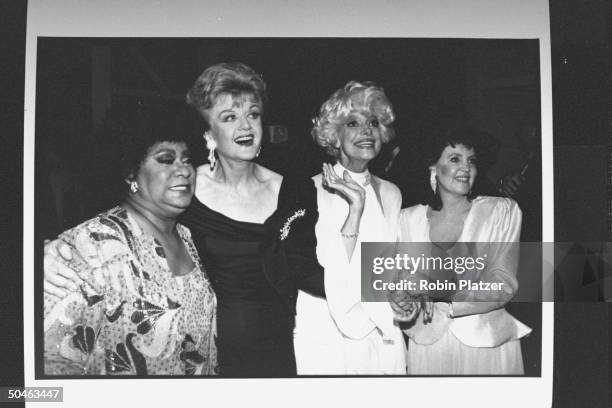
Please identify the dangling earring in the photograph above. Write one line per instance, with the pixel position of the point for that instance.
(212, 159)
(211, 145)
(433, 181)
(258, 151)
(134, 186)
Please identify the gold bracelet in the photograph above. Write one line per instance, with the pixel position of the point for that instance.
(349, 236)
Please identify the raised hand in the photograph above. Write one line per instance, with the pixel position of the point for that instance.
(352, 192)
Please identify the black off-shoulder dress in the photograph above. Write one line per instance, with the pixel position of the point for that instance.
(256, 270)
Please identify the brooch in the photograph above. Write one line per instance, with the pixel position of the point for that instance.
(287, 226)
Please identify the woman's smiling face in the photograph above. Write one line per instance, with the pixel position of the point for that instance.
(456, 169)
(166, 179)
(235, 126)
(359, 138)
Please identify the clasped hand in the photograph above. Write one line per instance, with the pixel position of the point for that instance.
(407, 306)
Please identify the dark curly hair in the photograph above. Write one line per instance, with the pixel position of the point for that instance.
(150, 126)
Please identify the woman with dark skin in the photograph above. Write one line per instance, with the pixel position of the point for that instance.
(143, 305)
(253, 228)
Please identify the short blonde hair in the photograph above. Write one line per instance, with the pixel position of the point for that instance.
(353, 96)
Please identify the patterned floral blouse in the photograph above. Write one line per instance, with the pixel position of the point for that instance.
(133, 317)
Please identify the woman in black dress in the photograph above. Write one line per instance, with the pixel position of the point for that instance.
(253, 228)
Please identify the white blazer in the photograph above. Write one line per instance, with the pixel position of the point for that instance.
(363, 335)
(491, 219)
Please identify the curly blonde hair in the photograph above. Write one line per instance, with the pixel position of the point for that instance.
(353, 96)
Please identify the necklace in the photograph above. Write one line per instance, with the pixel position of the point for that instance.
(364, 178)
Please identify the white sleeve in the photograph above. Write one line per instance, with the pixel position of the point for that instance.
(342, 276)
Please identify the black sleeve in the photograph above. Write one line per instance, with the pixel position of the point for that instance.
(301, 242)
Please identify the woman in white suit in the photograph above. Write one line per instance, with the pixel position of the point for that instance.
(470, 333)
(341, 335)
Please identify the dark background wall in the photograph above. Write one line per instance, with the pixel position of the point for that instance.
(581, 37)
(86, 88)
(581, 51)
(12, 26)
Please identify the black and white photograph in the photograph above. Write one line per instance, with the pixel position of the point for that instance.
(208, 182)
(125, 176)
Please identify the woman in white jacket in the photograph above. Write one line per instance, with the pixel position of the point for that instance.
(470, 333)
(341, 335)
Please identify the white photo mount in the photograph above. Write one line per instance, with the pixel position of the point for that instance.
(280, 18)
